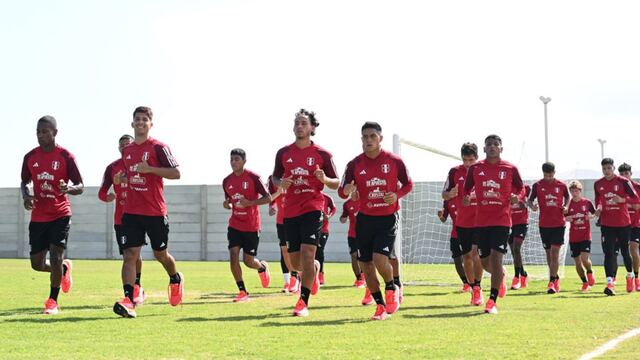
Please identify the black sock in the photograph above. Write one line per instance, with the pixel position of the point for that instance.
(294, 273)
(464, 280)
(128, 291)
(396, 280)
(304, 294)
(389, 285)
(262, 269)
(175, 278)
(476, 283)
(591, 272)
(494, 294)
(523, 272)
(635, 273)
(138, 275)
(358, 276)
(583, 278)
(377, 296)
(64, 269)
(54, 293)
(241, 286)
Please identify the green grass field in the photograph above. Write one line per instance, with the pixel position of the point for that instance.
(435, 321)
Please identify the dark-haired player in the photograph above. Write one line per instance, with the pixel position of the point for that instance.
(466, 219)
(115, 175)
(497, 184)
(633, 204)
(328, 211)
(553, 196)
(50, 167)
(381, 180)
(611, 193)
(519, 227)
(147, 162)
(579, 212)
(302, 169)
(244, 192)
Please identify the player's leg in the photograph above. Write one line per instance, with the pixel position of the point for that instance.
(355, 267)
(634, 250)
(455, 245)
(157, 228)
(585, 257)
(610, 257)
(236, 270)
(497, 238)
(320, 255)
(250, 242)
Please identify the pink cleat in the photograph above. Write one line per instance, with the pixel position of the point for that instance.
(50, 307)
(637, 281)
(265, 276)
(502, 291)
(360, 283)
(610, 289)
(551, 288)
(67, 280)
(176, 291)
(524, 281)
(321, 278)
(367, 299)
(300, 309)
(476, 296)
(316, 279)
(515, 283)
(380, 314)
(585, 287)
(125, 308)
(630, 284)
(556, 284)
(294, 285)
(491, 307)
(242, 297)
(590, 279)
(465, 288)
(139, 295)
(392, 298)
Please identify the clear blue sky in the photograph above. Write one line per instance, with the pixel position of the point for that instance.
(225, 74)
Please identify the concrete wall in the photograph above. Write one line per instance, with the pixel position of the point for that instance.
(198, 225)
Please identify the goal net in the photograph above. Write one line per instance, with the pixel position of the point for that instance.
(424, 239)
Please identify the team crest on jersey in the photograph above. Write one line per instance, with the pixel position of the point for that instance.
(245, 185)
(145, 156)
(557, 190)
(55, 165)
(584, 208)
(502, 175)
(386, 168)
(615, 187)
(311, 161)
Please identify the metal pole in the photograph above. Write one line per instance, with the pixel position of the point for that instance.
(602, 142)
(546, 135)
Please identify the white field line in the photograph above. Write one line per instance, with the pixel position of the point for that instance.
(610, 345)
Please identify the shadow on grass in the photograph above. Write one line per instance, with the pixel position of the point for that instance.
(465, 314)
(336, 287)
(234, 318)
(321, 307)
(430, 294)
(434, 307)
(38, 310)
(316, 322)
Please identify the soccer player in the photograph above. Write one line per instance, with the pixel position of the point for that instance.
(115, 174)
(276, 207)
(519, 227)
(376, 174)
(465, 221)
(449, 209)
(302, 169)
(553, 196)
(634, 241)
(147, 162)
(579, 211)
(50, 167)
(327, 212)
(611, 192)
(349, 211)
(244, 192)
(497, 184)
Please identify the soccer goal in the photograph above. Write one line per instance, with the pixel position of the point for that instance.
(424, 239)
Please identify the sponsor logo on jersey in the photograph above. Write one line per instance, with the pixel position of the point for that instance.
(35, 165)
(491, 184)
(376, 182)
(300, 171)
(138, 180)
(45, 176)
(46, 186)
(375, 194)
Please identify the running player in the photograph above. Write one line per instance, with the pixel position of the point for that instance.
(50, 167)
(579, 212)
(115, 174)
(328, 211)
(276, 207)
(553, 196)
(519, 227)
(376, 174)
(611, 192)
(302, 169)
(465, 221)
(147, 162)
(633, 205)
(349, 211)
(244, 192)
(449, 209)
(497, 184)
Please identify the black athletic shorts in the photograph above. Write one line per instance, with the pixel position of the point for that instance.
(119, 232)
(455, 246)
(246, 240)
(635, 235)
(617, 235)
(303, 229)
(135, 227)
(552, 236)
(323, 240)
(353, 248)
(43, 234)
(467, 238)
(518, 231)
(492, 238)
(375, 234)
(280, 231)
(580, 247)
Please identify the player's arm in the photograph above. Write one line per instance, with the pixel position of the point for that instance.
(103, 193)
(77, 186)
(227, 197)
(331, 207)
(532, 197)
(328, 174)
(278, 173)
(450, 189)
(345, 213)
(469, 183)
(347, 185)
(406, 184)
(629, 190)
(516, 186)
(27, 199)
(168, 168)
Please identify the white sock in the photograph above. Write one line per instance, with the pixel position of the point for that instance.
(286, 277)
(609, 280)
(630, 275)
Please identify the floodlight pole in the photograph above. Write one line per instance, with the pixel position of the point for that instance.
(545, 101)
(602, 142)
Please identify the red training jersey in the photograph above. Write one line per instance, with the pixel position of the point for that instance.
(519, 211)
(244, 186)
(350, 210)
(329, 210)
(304, 195)
(45, 170)
(634, 214)
(466, 214)
(374, 178)
(578, 212)
(278, 202)
(451, 209)
(613, 214)
(494, 184)
(120, 190)
(552, 197)
(145, 191)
